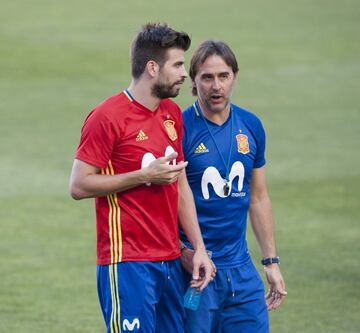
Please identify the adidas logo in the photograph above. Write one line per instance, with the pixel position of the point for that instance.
(141, 136)
(201, 149)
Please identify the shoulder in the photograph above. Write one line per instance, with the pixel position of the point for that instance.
(108, 115)
(248, 117)
(112, 107)
(250, 120)
(188, 115)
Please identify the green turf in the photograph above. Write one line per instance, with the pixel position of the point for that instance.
(299, 71)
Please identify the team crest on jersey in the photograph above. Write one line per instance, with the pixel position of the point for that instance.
(243, 143)
(170, 129)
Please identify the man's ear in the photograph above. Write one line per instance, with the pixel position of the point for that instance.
(193, 88)
(152, 68)
(236, 76)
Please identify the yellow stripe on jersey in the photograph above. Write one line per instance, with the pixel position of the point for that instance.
(115, 236)
(117, 224)
(117, 297)
(115, 307)
(111, 279)
(106, 172)
(119, 228)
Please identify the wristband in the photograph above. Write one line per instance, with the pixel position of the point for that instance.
(269, 261)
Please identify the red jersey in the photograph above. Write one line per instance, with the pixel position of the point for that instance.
(118, 136)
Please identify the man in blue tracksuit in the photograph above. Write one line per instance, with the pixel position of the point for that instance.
(225, 148)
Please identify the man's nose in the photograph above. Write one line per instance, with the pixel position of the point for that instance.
(216, 84)
(184, 73)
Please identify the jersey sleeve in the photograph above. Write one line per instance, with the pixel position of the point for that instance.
(97, 139)
(260, 149)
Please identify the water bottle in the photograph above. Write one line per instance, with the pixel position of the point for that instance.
(192, 298)
(193, 295)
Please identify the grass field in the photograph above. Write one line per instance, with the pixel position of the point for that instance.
(299, 71)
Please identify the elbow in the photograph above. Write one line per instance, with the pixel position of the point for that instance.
(76, 193)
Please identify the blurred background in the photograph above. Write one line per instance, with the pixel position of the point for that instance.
(299, 72)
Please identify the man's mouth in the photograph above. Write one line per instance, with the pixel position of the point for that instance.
(179, 82)
(216, 98)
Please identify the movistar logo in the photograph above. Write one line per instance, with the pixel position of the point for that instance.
(201, 148)
(212, 176)
(149, 157)
(134, 325)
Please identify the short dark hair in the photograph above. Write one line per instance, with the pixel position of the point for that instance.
(152, 43)
(207, 49)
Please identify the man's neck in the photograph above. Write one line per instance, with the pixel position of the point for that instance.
(219, 117)
(141, 92)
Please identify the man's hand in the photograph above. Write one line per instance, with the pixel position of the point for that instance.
(161, 172)
(187, 261)
(203, 269)
(276, 294)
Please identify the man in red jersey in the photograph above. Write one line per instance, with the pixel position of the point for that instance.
(130, 159)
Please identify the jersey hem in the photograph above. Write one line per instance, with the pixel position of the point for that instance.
(107, 262)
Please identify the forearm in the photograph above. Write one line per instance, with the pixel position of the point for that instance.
(86, 182)
(97, 185)
(262, 223)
